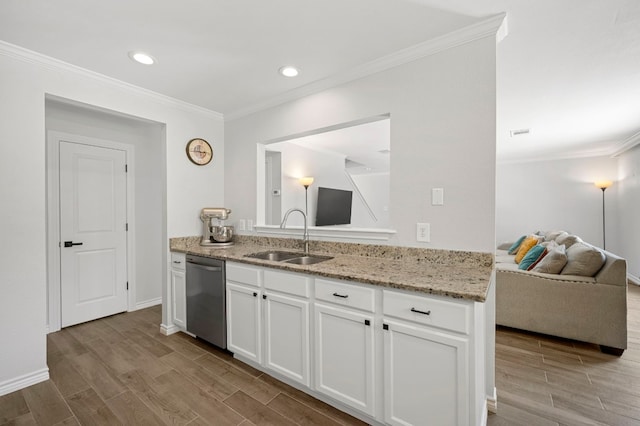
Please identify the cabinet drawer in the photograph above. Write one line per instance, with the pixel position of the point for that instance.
(243, 274)
(178, 260)
(427, 310)
(346, 294)
(295, 284)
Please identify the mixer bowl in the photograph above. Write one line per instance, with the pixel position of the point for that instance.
(222, 234)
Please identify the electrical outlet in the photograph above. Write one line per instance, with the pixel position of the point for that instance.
(250, 225)
(423, 232)
(241, 225)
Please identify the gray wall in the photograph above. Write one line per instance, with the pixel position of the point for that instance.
(628, 224)
(443, 114)
(556, 194)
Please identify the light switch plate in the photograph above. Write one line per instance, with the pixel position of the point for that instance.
(437, 196)
(423, 232)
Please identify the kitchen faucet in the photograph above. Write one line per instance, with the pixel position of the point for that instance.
(305, 237)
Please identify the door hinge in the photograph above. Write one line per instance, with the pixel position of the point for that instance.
(127, 285)
(126, 168)
(126, 227)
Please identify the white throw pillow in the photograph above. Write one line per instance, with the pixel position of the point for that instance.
(553, 262)
(583, 260)
(568, 240)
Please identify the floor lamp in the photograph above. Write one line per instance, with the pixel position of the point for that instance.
(306, 181)
(603, 185)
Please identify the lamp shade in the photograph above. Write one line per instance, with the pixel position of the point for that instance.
(603, 184)
(306, 181)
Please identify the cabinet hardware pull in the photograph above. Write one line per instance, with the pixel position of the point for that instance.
(255, 294)
(420, 312)
(344, 296)
(264, 296)
(385, 326)
(177, 261)
(367, 322)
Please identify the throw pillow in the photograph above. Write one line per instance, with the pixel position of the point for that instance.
(568, 240)
(552, 235)
(553, 262)
(526, 245)
(539, 259)
(531, 257)
(515, 246)
(583, 260)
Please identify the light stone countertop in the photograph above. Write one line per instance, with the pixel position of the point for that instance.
(456, 274)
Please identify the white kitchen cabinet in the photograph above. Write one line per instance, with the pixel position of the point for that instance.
(426, 364)
(286, 336)
(344, 358)
(286, 324)
(178, 290)
(244, 313)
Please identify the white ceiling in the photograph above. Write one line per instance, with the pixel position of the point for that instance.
(569, 70)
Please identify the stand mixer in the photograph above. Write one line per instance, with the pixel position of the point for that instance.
(215, 234)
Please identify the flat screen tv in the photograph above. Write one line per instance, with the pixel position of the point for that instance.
(334, 207)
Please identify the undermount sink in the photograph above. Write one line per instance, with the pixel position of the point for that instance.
(308, 260)
(276, 256)
(289, 257)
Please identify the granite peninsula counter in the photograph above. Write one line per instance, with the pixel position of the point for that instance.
(456, 274)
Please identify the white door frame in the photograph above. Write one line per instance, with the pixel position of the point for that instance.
(53, 219)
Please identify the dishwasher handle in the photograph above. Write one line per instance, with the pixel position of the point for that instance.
(206, 268)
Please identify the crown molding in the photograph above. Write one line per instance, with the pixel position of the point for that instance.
(626, 145)
(564, 155)
(490, 27)
(53, 64)
(611, 149)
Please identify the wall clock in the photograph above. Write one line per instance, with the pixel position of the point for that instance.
(199, 151)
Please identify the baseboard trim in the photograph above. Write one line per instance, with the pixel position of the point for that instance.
(24, 381)
(168, 330)
(633, 279)
(492, 402)
(148, 303)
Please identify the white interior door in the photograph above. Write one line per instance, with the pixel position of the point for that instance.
(93, 220)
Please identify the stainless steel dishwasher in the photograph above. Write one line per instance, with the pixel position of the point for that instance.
(206, 300)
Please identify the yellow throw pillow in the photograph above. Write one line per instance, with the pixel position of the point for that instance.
(526, 245)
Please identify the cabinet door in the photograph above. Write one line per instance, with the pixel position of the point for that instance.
(178, 298)
(425, 376)
(243, 321)
(286, 331)
(344, 365)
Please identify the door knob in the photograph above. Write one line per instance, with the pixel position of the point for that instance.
(71, 243)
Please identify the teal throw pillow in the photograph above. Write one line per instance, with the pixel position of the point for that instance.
(515, 246)
(530, 258)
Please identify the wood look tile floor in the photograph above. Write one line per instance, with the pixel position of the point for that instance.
(543, 380)
(121, 370)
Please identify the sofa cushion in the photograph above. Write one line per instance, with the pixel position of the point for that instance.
(532, 256)
(568, 240)
(583, 260)
(526, 245)
(515, 246)
(553, 261)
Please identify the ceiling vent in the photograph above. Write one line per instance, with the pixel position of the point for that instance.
(519, 132)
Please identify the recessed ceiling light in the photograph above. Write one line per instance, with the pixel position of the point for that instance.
(143, 58)
(289, 71)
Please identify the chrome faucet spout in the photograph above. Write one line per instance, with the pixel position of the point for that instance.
(305, 236)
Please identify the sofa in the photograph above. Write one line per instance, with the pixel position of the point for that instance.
(579, 301)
